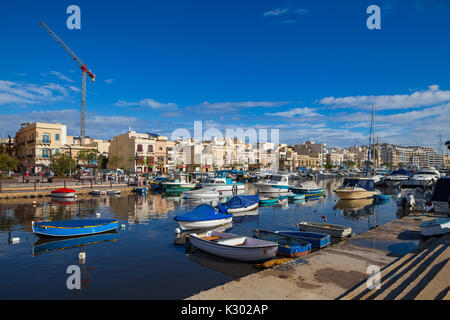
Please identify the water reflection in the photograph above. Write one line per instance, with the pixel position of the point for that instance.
(44, 245)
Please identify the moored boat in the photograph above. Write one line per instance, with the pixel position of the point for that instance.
(381, 197)
(287, 246)
(334, 230)
(277, 184)
(233, 246)
(203, 216)
(435, 227)
(239, 204)
(309, 189)
(73, 228)
(201, 194)
(63, 193)
(441, 196)
(356, 188)
(317, 240)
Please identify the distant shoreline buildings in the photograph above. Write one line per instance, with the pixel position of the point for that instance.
(35, 143)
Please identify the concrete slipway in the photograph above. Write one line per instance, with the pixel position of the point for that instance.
(412, 267)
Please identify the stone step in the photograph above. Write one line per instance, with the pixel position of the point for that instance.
(393, 288)
(362, 287)
(438, 287)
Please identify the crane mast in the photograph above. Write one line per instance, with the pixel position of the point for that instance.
(84, 71)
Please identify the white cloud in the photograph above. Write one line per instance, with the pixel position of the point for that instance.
(146, 103)
(60, 76)
(304, 112)
(109, 81)
(25, 93)
(417, 99)
(286, 10)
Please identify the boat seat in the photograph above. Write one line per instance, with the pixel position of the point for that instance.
(233, 241)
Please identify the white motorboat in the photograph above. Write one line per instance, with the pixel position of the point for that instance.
(233, 246)
(221, 185)
(415, 199)
(425, 177)
(396, 177)
(277, 184)
(201, 194)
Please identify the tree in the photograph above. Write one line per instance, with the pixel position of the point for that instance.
(400, 165)
(88, 156)
(351, 163)
(328, 166)
(62, 164)
(8, 163)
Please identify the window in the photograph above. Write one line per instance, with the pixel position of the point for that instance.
(45, 153)
(45, 138)
(57, 136)
(56, 151)
(150, 148)
(139, 147)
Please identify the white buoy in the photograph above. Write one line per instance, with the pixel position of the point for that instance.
(177, 231)
(14, 240)
(123, 226)
(98, 214)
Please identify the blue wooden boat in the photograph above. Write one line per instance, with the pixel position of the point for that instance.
(287, 246)
(73, 228)
(317, 240)
(44, 245)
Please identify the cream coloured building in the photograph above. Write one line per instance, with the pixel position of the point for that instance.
(36, 143)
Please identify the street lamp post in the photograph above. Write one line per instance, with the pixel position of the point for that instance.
(70, 167)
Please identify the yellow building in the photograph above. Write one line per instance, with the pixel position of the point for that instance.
(138, 152)
(36, 142)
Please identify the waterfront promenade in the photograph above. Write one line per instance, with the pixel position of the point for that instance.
(340, 272)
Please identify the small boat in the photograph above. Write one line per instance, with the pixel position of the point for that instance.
(98, 193)
(381, 197)
(297, 197)
(204, 216)
(201, 194)
(63, 193)
(233, 246)
(435, 227)
(277, 184)
(287, 246)
(356, 188)
(317, 240)
(113, 192)
(334, 230)
(397, 177)
(73, 228)
(179, 184)
(309, 189)
(239, 204)
(268, 201)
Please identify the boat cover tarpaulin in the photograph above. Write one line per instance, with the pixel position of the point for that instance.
(202, 213)
(238, 202)
(63, 190)
(441, 190)
(367, 184)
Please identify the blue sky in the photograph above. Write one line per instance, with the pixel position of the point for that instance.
(311, 69)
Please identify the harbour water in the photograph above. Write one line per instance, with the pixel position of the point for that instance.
(144, 259)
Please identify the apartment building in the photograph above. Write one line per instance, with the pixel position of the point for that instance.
(35, 143)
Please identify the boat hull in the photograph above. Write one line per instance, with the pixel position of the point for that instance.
(269, 188)
(317, 240)
(51, 229)
(205, 224)
(241, 253)
(223, 187)
(350, 194)
(63, 195)
(334, 231)
(249, 208)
